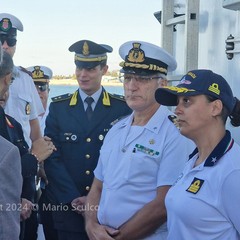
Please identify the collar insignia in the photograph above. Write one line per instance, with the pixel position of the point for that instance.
(8, 122)
(106, 99)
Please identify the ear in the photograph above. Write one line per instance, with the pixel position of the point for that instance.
(217, 107)
(104, 69)
(8, 79)
(162, 82)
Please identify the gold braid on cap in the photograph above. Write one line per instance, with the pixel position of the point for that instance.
(95, 59)
(151, 67)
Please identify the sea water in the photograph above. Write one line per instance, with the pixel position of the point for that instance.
(56, 90)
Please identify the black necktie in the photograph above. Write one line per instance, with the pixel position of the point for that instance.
(89, 111)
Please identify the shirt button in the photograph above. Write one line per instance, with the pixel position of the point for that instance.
(88, 139)
(87, 188)
(87, 156)
(87, 172)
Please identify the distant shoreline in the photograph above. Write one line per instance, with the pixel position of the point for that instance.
(72, 82)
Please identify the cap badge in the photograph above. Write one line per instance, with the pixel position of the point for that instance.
(214, 88)
(191, 74)
(195, 185)
(85, 50)
(37, 73)
(185, 81)
(136, 54)
(5, 24)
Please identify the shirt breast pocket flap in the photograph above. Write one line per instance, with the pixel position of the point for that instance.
(24, 97)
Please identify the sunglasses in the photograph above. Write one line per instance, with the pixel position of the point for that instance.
(9, 40)
(42, 88)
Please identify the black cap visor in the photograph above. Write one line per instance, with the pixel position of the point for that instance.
(87, 65)
(137, 71)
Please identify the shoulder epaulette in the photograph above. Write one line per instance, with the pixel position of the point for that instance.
(118, 119)
(173, 119)
(25, 70)
(62, 97)
(117, 96)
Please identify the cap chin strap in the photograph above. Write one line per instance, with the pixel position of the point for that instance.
(93, 59)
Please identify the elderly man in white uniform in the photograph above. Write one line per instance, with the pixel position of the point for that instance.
(141, 157)
(24, 103)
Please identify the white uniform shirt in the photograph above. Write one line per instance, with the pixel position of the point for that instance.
(24, 103)
(134, 161)
(42, 120)
(209, 208)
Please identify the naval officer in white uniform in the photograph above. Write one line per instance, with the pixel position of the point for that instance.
(141, 157)
(24, 103)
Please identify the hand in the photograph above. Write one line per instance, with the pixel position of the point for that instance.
(100, 232)
(26, 209)
(42, 148)
(78, 205)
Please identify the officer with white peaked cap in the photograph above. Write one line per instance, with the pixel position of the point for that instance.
(9, 25)
(40, 73)
(41, 76)
(142, 154)
(24, 103)
(145, 58)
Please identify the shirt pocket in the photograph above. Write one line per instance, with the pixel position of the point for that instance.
(143, 168)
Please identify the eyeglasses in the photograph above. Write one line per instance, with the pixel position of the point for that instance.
(9, 40)
(42, 88)
(139, 79)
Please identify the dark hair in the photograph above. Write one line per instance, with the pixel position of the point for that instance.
(6, 65)
(235, 115)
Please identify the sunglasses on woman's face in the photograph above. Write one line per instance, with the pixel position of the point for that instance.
(9, 40)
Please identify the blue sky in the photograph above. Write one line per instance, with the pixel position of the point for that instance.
(50, 27)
